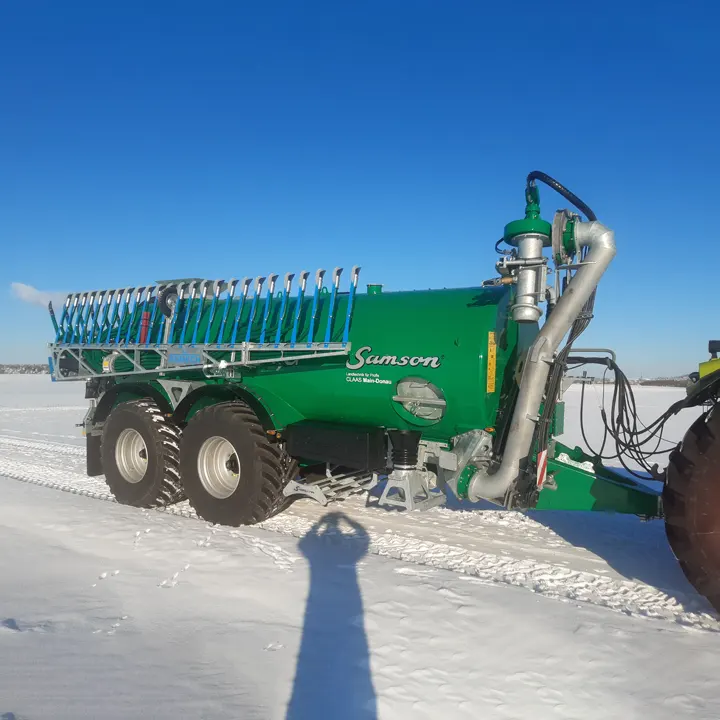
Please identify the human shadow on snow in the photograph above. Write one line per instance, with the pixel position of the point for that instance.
(333, 677)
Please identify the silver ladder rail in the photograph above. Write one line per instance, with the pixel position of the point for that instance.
(130, 324)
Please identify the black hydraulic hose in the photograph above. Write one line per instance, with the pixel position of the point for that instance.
(560, 188)
(499, 250)
(630, 434)
(579, 326)
(582, 425)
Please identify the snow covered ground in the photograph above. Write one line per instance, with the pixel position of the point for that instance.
(345, 612)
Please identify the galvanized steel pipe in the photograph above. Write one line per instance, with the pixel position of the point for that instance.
(600, 242)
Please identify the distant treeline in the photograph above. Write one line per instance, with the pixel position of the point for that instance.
(665, 382)
(655, 382)
(23, 369)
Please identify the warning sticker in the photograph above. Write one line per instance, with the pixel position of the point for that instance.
(491, 362)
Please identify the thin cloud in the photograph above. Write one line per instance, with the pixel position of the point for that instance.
(33, 296)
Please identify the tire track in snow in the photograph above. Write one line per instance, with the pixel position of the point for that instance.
(561, 583)
(43, 409)
(55, 478)
(554, 581)
(42, 446)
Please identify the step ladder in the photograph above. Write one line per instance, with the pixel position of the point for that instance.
(193, 323)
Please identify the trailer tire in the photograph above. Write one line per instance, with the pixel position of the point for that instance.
(691, 501)
(140, 455)
(231, 473)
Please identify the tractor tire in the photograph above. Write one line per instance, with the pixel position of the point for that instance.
(231, 473)
(691, 501)
(140, 455)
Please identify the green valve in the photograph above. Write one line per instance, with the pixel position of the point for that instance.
(463, 482)
(569, 238)
(532, 222)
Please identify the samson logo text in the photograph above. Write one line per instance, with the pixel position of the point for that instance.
(362, 358)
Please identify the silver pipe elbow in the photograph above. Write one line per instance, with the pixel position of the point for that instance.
(600, 242)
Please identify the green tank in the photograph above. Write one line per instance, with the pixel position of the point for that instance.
(430, 348)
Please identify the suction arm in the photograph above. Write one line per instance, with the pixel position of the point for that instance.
(600, 242)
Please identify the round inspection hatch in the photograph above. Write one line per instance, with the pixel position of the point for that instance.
(419, 401)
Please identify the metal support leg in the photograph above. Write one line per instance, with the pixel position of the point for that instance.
(198, 315)
(354, 277)
(170, 330)
(253, 309)
(316, 298)
(79, 320)
(213, 305)
(59, 334)
(226, 310)
(188, 311)
(287, 284)
(298, 306)
(67, 337)
(133, 315)
(268, 306)
(113, 313)
(410, 489)
(333, 299)
(122, 311)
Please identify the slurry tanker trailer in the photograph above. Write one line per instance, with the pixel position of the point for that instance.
(244, 394)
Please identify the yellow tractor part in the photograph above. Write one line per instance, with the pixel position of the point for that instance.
(709, 366)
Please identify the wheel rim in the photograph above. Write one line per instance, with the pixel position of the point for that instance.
(218, 467)
(131, 455)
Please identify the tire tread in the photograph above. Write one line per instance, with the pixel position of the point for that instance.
(262, 495)
(692, 487)
(166, 440)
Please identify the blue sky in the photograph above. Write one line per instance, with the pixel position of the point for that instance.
(146, 140)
